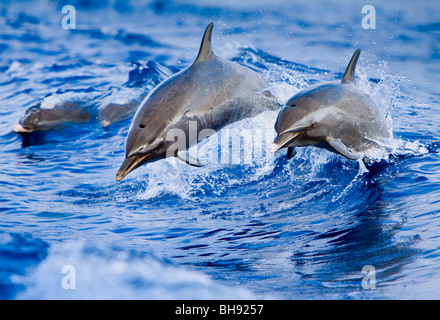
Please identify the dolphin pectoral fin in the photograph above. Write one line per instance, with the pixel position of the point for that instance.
(348, 76)
(185, 157)
(343, 149)
(291, 152)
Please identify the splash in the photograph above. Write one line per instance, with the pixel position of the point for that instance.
(226, 169)
(236, 155)
(397, 148)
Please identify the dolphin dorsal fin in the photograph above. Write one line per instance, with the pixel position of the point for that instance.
(205, 52)
(348, 76)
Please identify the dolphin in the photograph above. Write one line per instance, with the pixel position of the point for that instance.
(211, 93)
(79, 105)
(336, 116)
(57, 109)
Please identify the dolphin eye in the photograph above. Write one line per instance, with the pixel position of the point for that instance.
(291, 103)
(142, 126)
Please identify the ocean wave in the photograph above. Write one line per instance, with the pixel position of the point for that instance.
(79, 270)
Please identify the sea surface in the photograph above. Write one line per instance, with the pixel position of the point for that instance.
(264, 227)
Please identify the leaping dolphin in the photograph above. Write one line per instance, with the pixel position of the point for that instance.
(335, 116)
(212, 92)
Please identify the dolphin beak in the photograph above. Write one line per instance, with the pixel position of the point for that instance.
(130, 164)
(282, 140)
(18, 128)
(105, 123)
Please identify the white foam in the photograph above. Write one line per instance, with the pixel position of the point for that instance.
(94, 272)
(395, 147)
(283, 91)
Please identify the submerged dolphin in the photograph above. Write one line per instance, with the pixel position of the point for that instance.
(79, 106)
(212, 93)
(336, 116)
(56, 110)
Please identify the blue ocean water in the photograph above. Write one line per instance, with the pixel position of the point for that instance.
(269, 228)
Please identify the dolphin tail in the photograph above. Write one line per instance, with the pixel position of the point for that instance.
(348, 76)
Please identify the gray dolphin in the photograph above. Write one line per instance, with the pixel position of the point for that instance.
(56, 110)
(335, 115)
(212, 93)
(79, 106)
